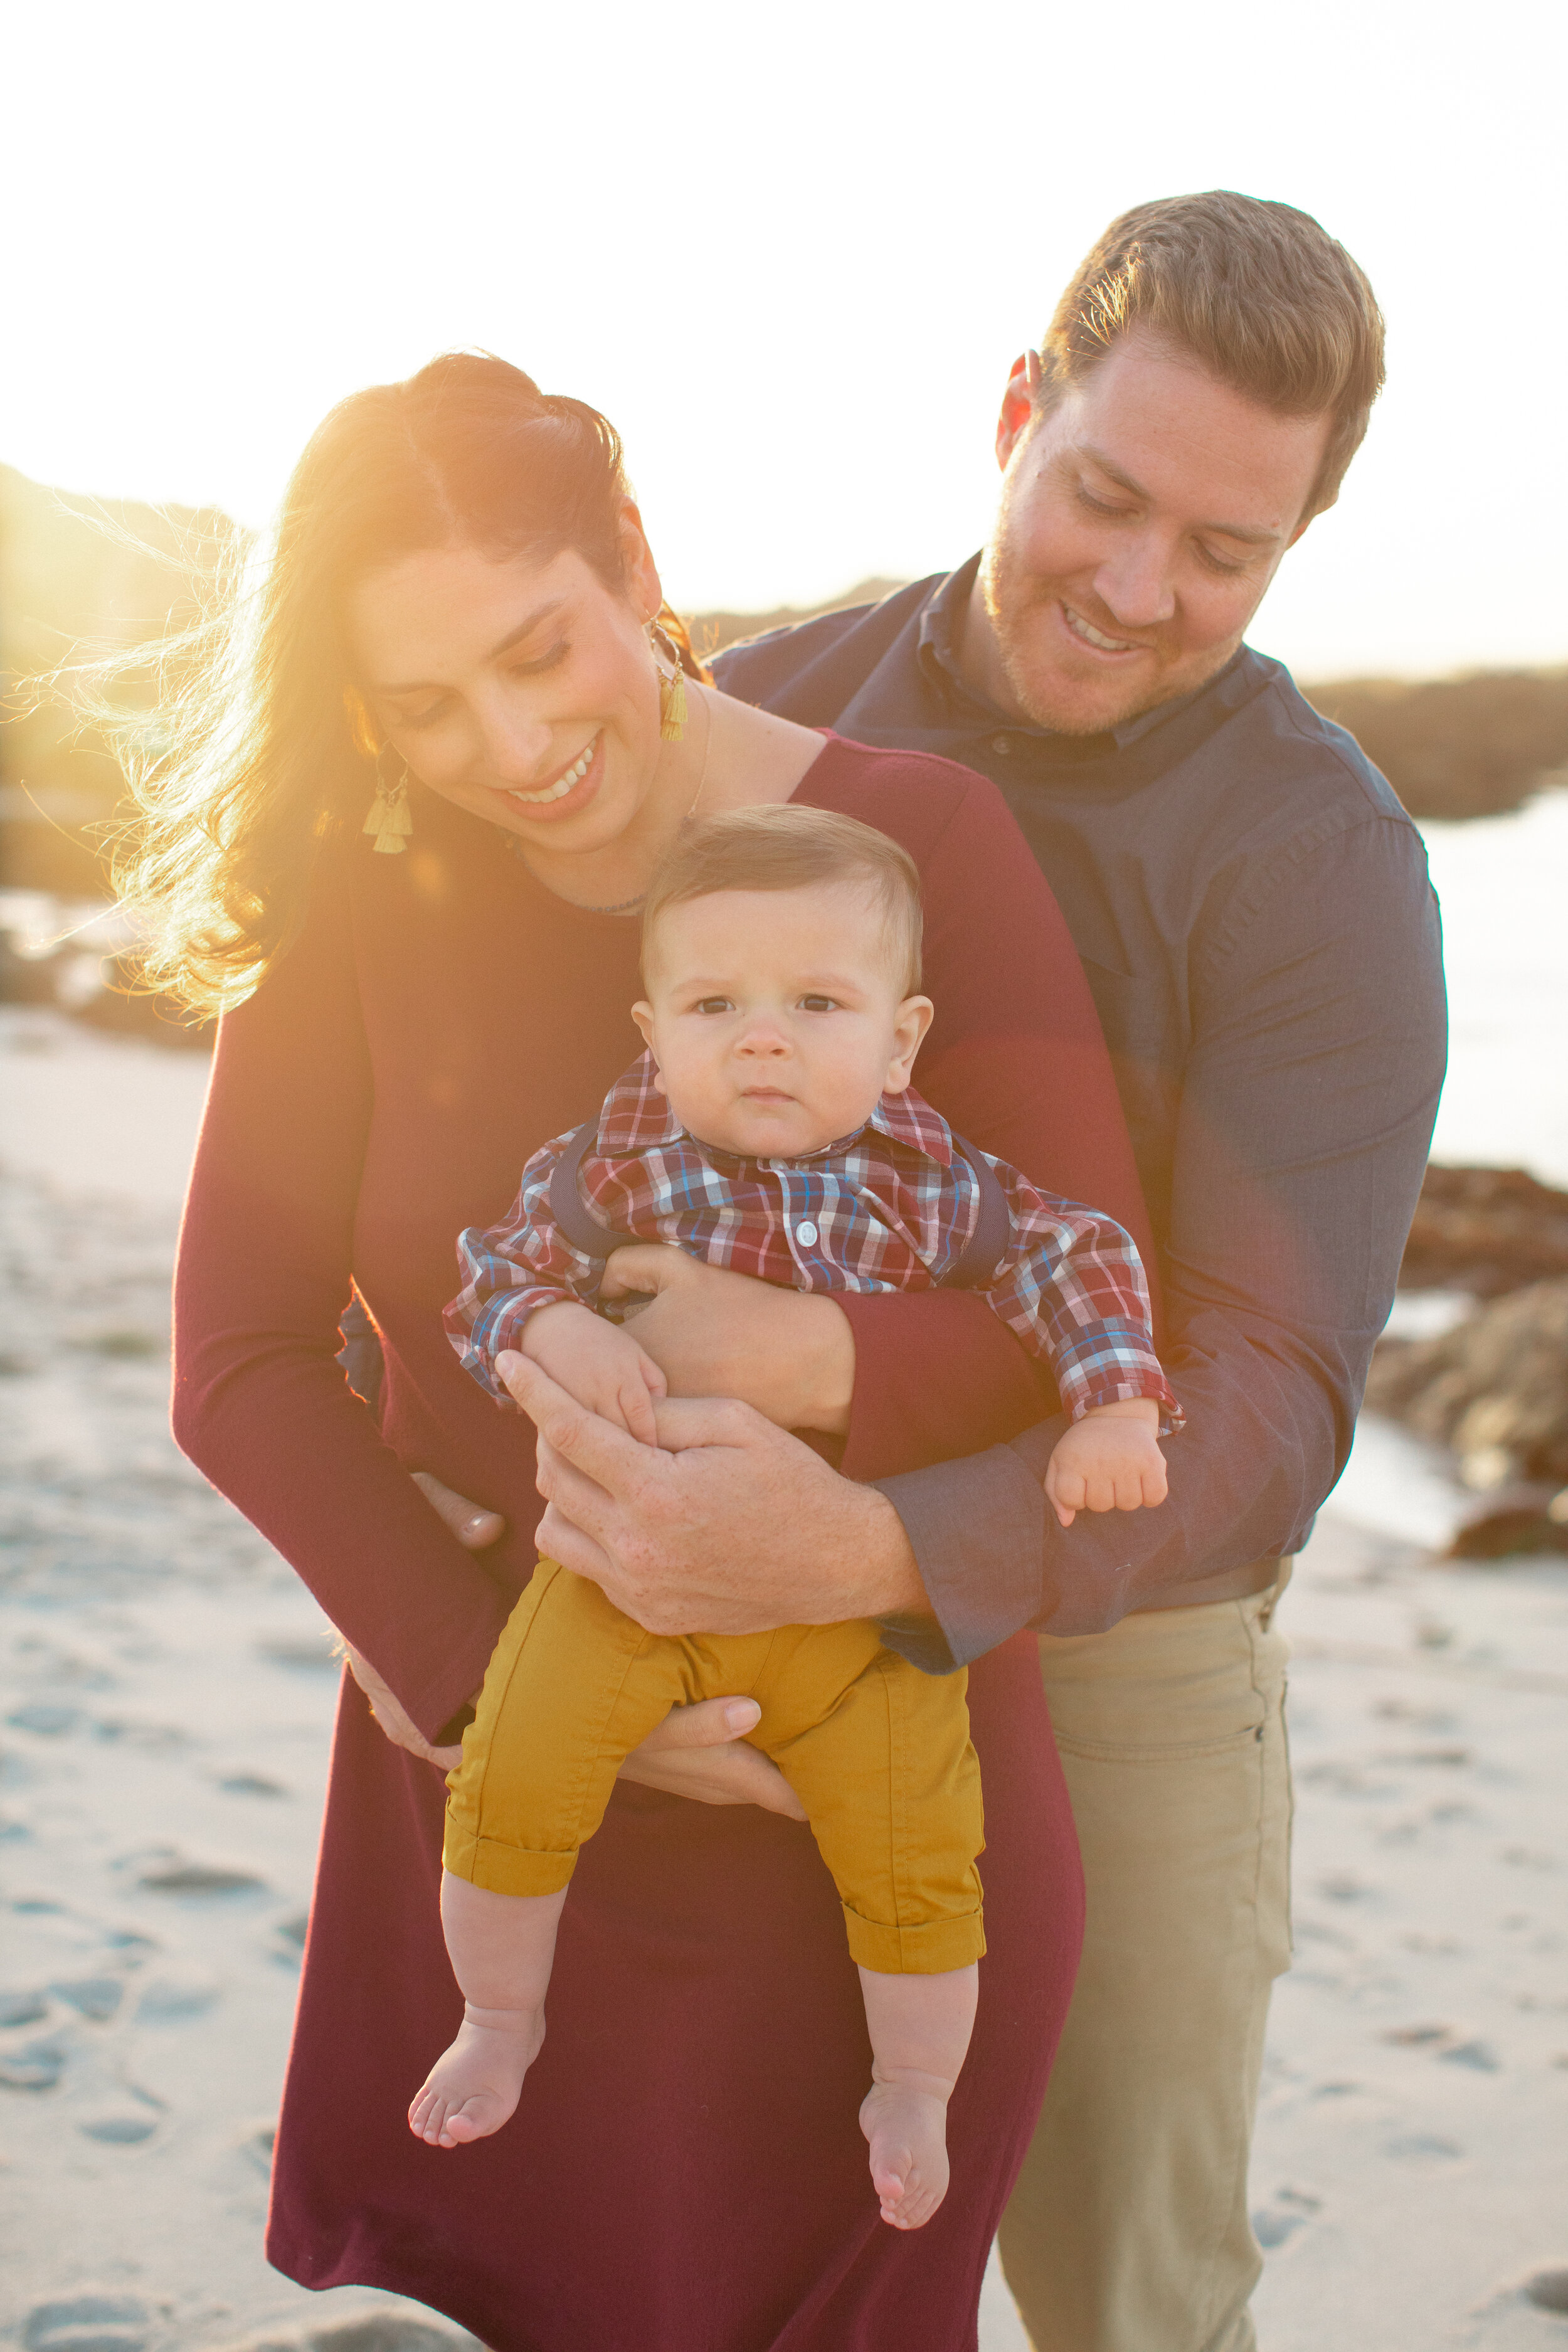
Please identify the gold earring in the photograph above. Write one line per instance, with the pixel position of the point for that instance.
(391, 820)
(671, 686)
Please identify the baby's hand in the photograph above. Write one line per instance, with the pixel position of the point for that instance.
(1109, 1461)
(598, 1363)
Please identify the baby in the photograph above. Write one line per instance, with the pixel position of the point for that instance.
(771, 1127)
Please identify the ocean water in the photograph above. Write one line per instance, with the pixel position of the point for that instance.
(1503, 884)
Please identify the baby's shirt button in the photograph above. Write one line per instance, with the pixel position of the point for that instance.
(805, 1233)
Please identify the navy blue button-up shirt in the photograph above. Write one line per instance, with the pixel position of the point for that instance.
(1252, 906)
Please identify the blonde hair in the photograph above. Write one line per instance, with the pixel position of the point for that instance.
(1258, 293)
(782, 848)
(259, 748)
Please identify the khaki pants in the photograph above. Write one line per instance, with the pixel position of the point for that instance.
(1128, 2231)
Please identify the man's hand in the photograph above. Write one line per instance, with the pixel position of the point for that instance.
(731, 1527)
(1109, 1461)
(598, 1363)
(789, 1354)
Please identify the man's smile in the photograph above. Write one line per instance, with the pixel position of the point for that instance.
(1089, 634)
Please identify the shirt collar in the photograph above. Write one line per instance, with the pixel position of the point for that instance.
(940, 632)
(636, 1118)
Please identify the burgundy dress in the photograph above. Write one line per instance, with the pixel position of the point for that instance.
(685, 2172)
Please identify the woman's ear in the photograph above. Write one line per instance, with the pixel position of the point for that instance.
(915, 1017)
(644, 587)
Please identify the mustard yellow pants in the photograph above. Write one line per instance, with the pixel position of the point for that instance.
(878, 1754)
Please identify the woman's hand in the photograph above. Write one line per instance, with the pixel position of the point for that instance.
(701, 1752)
(390, 1713)
(790, 1355)
(475, 1527)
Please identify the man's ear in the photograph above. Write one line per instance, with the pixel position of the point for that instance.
(1018, 406)
(915, 1016)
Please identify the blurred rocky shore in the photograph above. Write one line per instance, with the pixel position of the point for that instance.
(1490, 1245)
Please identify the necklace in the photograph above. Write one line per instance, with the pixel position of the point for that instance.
(629, 905)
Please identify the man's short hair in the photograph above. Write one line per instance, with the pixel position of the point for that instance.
(1258, 294)
(782, 848)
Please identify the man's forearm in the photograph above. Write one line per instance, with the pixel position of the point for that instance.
(1266, 1440)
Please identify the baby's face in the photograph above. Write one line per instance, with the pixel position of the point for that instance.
(778, 1017)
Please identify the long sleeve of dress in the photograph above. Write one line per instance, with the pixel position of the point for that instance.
(259, 1404)
(1307, 1111)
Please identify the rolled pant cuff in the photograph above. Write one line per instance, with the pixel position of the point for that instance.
(504, 1869)
(929, 1948)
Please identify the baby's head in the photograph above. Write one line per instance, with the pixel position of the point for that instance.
(781, 956)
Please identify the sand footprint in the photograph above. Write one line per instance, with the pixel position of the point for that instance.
(88, 2323)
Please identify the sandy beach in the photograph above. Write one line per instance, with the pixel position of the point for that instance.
(167, 1697)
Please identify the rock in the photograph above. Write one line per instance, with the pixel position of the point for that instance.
(1509, 1519)
(1457, 747)
(170, 1874)
(1485, 1229)
(1495, 1388)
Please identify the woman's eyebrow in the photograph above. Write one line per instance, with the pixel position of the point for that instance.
(540, 613)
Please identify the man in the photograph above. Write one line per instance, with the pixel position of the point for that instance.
(1252, 908)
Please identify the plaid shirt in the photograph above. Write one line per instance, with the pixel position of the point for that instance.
(889, 1209)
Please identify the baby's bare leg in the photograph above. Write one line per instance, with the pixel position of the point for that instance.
(502, 1947)
(920, 2028)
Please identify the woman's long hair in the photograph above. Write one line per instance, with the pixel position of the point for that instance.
(253, 756)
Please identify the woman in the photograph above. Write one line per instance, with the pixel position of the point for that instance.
(453, 633)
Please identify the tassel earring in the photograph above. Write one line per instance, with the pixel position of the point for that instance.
(671, 686)
(391, 820)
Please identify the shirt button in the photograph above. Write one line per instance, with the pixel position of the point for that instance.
(805, 1234)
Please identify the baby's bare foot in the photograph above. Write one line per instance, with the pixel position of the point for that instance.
(473, 2087)
(908, 2132)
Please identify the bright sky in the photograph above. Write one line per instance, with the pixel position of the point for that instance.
(791, 251)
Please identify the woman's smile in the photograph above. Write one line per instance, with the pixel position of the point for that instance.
(571, 789)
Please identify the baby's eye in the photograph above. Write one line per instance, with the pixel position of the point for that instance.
(819, 1004)
(711, 1004)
